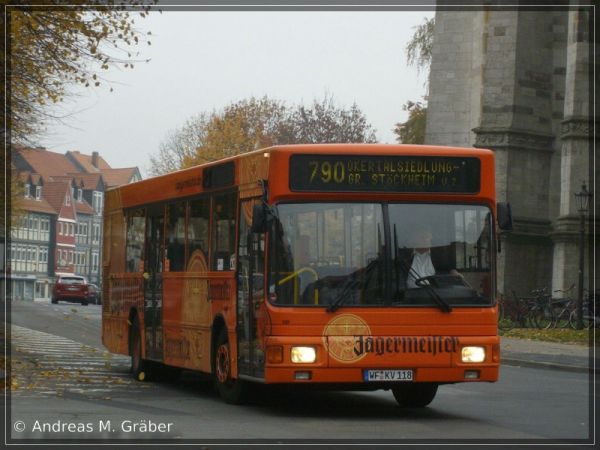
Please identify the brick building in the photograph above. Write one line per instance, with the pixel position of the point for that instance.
(60, 230)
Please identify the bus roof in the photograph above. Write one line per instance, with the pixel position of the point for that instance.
(187, 182)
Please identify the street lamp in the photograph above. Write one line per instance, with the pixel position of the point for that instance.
(582, 199)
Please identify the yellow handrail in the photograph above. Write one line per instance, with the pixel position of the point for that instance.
(295, 275)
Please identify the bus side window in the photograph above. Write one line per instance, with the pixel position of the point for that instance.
(223, 232)
(176, 236)
(136, 229)
(197, 234)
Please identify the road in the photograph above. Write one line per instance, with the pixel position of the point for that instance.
(66, 386)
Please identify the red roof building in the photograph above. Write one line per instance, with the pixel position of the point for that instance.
(60, 230)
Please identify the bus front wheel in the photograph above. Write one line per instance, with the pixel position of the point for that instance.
(231, 390)
(415, 395)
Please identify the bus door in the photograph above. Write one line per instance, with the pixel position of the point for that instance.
(153, 267)
(251, 309)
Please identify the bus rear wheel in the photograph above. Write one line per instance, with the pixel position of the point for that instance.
(231, 390)
(415, 395)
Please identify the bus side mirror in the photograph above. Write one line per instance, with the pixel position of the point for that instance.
(261, 218)
(504, 216)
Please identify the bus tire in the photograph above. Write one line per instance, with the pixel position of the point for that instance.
(231, 390)
(139, 366)
(415, 395)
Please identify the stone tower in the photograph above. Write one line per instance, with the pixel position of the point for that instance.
(517, 82)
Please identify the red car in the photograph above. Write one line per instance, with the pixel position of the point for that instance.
(70, 288)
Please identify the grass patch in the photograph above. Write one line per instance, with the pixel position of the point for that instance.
(562, 335)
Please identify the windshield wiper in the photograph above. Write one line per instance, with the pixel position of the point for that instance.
(351, 283)
(443, 304)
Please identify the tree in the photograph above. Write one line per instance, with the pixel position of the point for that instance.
(53, 49)
(253, 123)
(13, 203)
(179, 146)
(418, 49)
(244, 126)
(326, 123)
(413, 130)
(418, 53)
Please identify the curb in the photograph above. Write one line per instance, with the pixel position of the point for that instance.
(546, 365)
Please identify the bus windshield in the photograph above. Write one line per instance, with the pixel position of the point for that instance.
(381, 254)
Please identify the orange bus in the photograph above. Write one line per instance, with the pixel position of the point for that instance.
(296, 265)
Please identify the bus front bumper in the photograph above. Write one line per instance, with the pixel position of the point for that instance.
(438, 360)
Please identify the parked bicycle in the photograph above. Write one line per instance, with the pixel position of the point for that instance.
(590, 310)
(513, 312)
(542, 313)
(563, 307)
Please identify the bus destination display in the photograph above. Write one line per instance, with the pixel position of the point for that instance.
(351, 173)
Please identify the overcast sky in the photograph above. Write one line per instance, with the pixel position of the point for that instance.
(202, 61)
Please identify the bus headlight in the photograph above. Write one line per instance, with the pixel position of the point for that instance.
(473, 354)
(304, 354)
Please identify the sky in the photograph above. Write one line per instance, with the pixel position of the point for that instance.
(203, 61)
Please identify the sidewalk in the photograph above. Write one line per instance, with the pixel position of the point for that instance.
(551, 355)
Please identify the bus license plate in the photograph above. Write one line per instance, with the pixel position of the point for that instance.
(388, 375)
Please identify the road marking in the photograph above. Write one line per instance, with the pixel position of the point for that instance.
(46, 365)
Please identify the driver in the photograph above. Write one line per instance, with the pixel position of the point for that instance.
(425, 261)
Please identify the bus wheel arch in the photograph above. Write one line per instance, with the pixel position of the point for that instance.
(232, 390)
(217, 326)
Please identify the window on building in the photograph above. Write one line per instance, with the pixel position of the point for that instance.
(44, 229)
(95, 260)
(83, 232)
(38, 192)
(96, 233)
(97, 201)
(27, 190)
(35, 231)
(79, 195)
